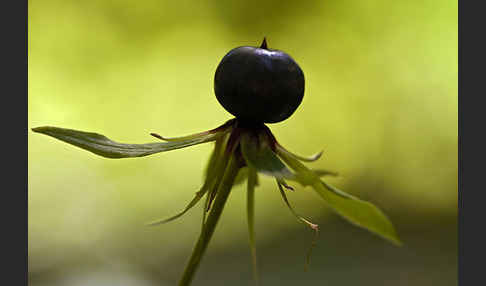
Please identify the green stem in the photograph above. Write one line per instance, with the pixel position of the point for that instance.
(251, 219)
(213, 217)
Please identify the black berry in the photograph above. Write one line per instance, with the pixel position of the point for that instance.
(258, 84)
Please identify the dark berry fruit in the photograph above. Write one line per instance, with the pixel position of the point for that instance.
(259, 84)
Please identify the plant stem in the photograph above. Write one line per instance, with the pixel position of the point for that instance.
(251, 219)
(213, 217)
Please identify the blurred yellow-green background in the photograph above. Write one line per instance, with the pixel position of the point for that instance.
(381, 101)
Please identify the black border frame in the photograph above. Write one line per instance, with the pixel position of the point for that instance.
(14, 199)
(470, 188)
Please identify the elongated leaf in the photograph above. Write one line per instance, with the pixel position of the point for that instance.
(214, 187)
(216, 155)
(101, 145)
(210, 177)
(304, 175)
(194, 201)
(251, 218)
(284, 196)
(211, 222)
(183, 138)
(285, 185)
(313, 226)
(360, 213)
(323, 173)
(311, 158)
(214, 172)
(196, 135)
(260, 156)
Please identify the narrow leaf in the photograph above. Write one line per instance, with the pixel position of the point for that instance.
(194, 201)
(285, 185)
(183, 138)
(212, 220)
(206, 203)
(323, 173)
(311, 158)
(210, 177)
(358, 212)
(214, 173)
(101, 145)
(284, 196)
(215, 170)
(313, 226)
(196, 135)
(216, 155)
(260, 156)
(251, 218)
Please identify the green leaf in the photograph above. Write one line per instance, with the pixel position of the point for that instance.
(224, 190)
(323, 173)
(360, 213)
(311, 158)
(213, 188)
(313, 226)
(252, 181)
(211, 175)
(183, 138)
(215, 171)
(260, 156)
(194, 201)
(308, 223)
(221, 128)
(303, 175)
(101, 145)
(216, 156)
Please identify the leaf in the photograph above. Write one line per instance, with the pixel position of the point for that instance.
(205, 206)
(216, 155)
(282, 192)
(312, 158)
(210, 176)
(215, 171)
(313, 226)
(285, 185)
(101, 145)
(360, 213)
(303, 175)
(194, 201)
(252, 181)
(213, 189)
(323, 173)
(221, 128)
(224, 190)
(183, 138)
(260, 156)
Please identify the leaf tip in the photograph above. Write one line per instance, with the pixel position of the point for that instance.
(38, 129)
(160, 222)
(153, 223)
(43, 129)
(157, 136)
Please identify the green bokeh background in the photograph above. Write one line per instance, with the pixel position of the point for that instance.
(380, 100)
